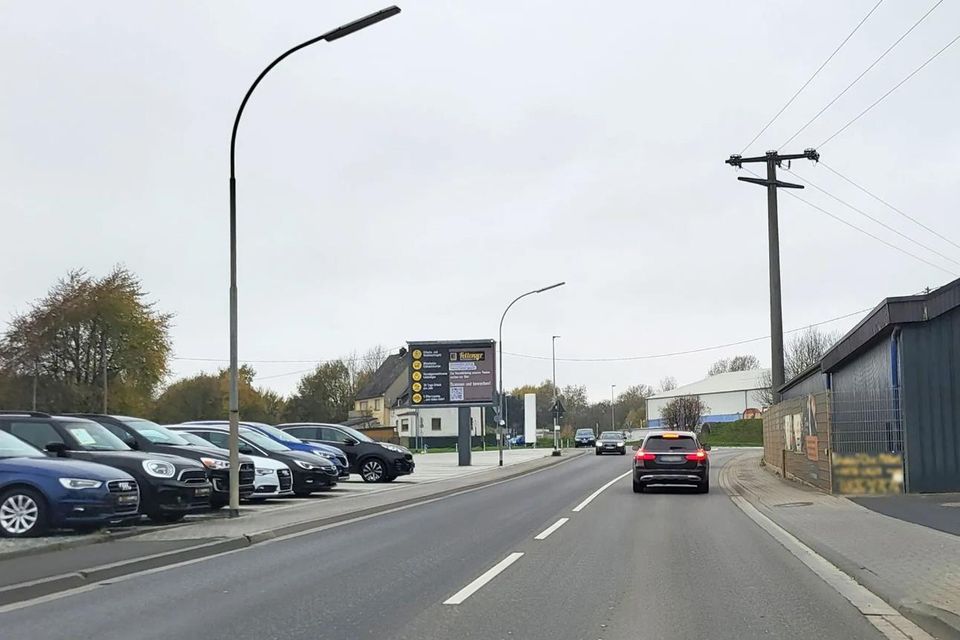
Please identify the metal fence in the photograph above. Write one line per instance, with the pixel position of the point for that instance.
(866, 421)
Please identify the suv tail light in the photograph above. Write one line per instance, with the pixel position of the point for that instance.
(643, 455)
(699, 455)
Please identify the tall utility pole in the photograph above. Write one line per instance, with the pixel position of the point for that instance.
(613, 404)
(774, 159)
(556, 417)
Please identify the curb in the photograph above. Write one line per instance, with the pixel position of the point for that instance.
(938, 622)
(15, 593)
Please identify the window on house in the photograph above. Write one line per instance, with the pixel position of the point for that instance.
(363, 405)
(404, 425)
(376, 404)
(435, 424)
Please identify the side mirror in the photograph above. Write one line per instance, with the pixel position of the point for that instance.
(706, 447)
(245, 449)
(350, 441)
(132, 444)
(59, 448)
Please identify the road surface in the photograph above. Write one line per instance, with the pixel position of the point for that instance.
(665, 565)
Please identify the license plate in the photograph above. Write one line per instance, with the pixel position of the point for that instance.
(127, 499)
(670, 458)
(201, 492)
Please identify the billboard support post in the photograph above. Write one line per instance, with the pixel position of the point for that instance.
(463, 436)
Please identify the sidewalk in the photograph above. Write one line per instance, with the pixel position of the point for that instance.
(914, 568)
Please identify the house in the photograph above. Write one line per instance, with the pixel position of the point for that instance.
(880, 412)
(388, 383)
(727, 396)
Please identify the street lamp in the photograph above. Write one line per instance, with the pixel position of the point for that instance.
(613, 422)
(234, 404)
(556, 426)
(500, 419)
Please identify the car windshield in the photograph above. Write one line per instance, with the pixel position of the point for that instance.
(278, 433)
(611, 435)
(668, 443)
(93, 436)
(195, 440)
(155, 433)
(356, 434)
(14, 447)
(584, 432)
(256, 438)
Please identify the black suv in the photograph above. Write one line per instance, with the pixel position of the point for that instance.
(144, 435)
(671, 458)
(170, 486)
(584, 438)
(310, 473)
(374, 461)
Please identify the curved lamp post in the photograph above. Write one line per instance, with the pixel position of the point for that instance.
(234, 405)
(500, 421)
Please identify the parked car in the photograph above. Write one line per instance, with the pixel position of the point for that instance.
(374, 461)
(334, 454)
(671, 458)
(310, 473)
(584, 438)
(144, 435)
(38, 492)
(170, 486)
(611, 442)
(273, 478)
(517, 441)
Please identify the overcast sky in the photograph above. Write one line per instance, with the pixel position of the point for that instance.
(408, 181)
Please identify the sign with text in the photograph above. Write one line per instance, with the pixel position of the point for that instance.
(450, 374)
(868, 473)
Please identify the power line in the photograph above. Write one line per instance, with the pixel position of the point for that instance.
(895, 87)
(810, 79)
(364, 358)
(865, 71)
(869, 217)
(689, 351)
(865, 232)
(884, 202)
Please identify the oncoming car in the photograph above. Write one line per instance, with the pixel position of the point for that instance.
(611, 442)
(671, 458)
(584, 438)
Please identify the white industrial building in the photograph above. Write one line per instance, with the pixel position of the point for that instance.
(726, 395)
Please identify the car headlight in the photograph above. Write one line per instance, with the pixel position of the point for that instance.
(392, 447)
(159, 468)
(264, 472)
(80, 483)
(621, 444)
(305, 465)
(326, 455)
(214, 463)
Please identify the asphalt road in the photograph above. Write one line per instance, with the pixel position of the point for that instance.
(671, 564)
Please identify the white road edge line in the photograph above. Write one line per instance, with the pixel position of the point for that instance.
(579, 507)
(546, 532)
(880, 614)
(487, 576)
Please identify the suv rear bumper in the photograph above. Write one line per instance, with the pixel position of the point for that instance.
(665, 476)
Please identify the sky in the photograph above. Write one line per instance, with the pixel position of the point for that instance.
(408, 181)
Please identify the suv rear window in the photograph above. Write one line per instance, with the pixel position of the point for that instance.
(680, 443)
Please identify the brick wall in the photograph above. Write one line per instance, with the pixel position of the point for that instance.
(797, 446)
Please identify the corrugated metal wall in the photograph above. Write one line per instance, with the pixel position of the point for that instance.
(869, 371)
(930, 367)
(813, 383)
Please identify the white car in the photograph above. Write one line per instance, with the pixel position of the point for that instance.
(273, 478)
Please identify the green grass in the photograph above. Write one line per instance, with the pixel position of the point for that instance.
(740, 433)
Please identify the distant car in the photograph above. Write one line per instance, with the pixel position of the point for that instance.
(38, 493)
(144, 435)
(374, 461)
(273, 478)
(611, 442)
(310, 473)
(671, 458)
(337, 456)
(170, 486)
(584, 438)
(517, 441)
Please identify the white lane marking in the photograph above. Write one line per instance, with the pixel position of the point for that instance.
(487, 576)
(546, 532)
(880, 614)
(579, 507)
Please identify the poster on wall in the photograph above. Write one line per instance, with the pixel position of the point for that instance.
(862, 474)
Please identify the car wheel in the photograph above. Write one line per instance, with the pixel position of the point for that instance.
(373, 470)
(704, 487)
(637, 487)
(165, 518)
(23, 513)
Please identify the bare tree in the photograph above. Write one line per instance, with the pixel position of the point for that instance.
(684, 412)
(668, 383)
(805, 350)
(736, 363)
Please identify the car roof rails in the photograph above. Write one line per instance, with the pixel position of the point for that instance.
(30, 414)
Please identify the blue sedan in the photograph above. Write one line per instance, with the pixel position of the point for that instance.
(38, 493)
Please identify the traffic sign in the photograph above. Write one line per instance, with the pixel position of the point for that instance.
(558, 409)
(452, 373)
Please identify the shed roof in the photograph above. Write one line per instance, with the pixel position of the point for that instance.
(720, 383)
(392, 368)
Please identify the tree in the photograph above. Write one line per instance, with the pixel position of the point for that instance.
(684, 412)
(802, 352)
(325, 395)
(362, 367)
(83, 326)
(668, 383)
(205, 397)
(736, 363)
(632, 404)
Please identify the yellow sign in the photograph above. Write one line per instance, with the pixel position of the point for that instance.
(417, 398)
(417, 365)
(417, 375)
(417, 386)
(417, 354)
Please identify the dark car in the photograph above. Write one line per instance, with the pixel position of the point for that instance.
(671, 458)
(584, 438)
(374, 461)
(144, 435)
(38, 493)
(611, 442)
(310, 473)
(170, 486)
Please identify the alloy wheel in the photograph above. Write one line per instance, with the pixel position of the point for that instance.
(372, 470)
(18, 514)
